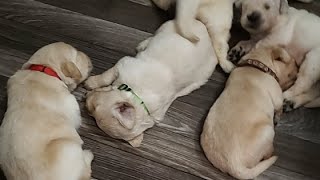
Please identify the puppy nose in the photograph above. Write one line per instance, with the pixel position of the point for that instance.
(254, 16)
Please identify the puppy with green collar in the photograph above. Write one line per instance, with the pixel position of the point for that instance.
(135, 94)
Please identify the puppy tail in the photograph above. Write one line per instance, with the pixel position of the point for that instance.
(186, 15)
(251, 173)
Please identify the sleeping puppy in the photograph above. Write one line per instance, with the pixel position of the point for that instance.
(140, 89)
(273, 23)
(38, 135)
(238, 132)
(215, 14)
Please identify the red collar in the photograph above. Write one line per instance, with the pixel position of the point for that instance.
(47, 70)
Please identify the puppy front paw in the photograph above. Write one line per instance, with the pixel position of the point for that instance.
(277, 116)
(236, 53)
(91, 83)
(227, 66)
(288, 105)
(143, 45)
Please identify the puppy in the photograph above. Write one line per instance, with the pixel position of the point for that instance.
(215, 14)
(140, 89)
(238, 132)
(38, 135)
(273, 23)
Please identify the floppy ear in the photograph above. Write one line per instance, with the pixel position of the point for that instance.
(69, 69)
(280, 54)
(284, 7)
(125, 113)
(136, 142)
(90, 102)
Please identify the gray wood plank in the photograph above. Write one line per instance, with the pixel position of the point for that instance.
(143, 2)
(128, 13)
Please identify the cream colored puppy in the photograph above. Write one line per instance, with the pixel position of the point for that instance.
(140, 89)
(38, 136)
(273, 23)
(238, 132)
(215, 14)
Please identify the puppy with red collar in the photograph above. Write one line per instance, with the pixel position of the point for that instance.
(38, 136)
(238, 132)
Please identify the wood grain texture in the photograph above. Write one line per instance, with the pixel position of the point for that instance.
(124, 12)
(171, 149)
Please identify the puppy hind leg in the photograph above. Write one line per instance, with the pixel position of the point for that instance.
(185, 16)
(67, 160)
(262, 142)
(309, 74)
(88, 157)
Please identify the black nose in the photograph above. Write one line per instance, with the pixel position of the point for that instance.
(254, 16)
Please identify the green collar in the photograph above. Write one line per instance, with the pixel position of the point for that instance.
(124, 87)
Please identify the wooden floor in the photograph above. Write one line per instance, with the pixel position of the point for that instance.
(109, 29)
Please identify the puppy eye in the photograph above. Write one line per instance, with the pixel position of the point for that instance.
(279, 59)
(267, 6)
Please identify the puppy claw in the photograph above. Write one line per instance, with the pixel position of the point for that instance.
(288, 106)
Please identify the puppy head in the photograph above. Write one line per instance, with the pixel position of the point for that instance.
(71, 65)
(118, 115)
(277, 59)
(259, 16)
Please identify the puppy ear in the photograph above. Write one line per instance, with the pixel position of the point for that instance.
(284, 7)
(136, 142)
(280, 54)
(125, 113)
(69, 69)
(91, 102)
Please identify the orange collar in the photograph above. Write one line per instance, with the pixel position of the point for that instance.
(47, 70)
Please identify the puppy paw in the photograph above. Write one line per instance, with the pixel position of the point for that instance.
(88, 156)
(91, 83)
(236, 53)
(288, 105)
(227, 66)
(277, 116)
(143, 45)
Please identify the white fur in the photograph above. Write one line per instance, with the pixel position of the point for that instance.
(167, 67)
(215, 14)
